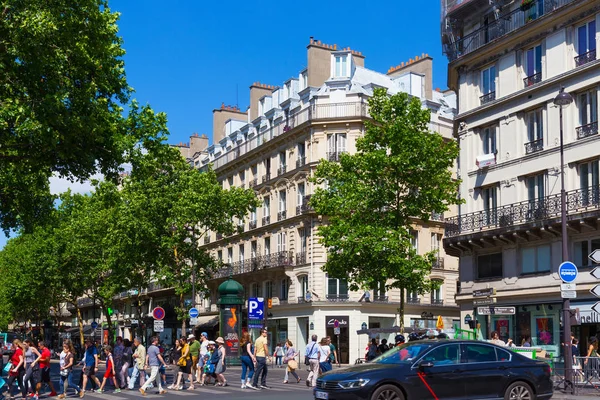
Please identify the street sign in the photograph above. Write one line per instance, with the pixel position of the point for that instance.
(363, 326)
(568, 286)
(568, 294)
(567, 272)
(194, 321)
(596, 273)
(596, 307)
(94, 325)
(336, 331)
(484, 302)
(596, 291)
(484, 292)
(336, 324)
(134, 322)
(158, 313)
(496, 310)
(595, 256)
(256, 308)
(159, 325)
(193, 312)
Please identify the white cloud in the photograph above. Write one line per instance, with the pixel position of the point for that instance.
(59, 185)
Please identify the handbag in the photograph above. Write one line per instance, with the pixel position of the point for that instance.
(181, 362)
(8, 367)
(306, 358)
(292, 364)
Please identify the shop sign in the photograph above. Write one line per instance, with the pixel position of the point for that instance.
(426, 315)
(496, 310)
(590, 316)
(343, 321)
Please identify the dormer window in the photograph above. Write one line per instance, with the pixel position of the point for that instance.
(287, 90)
(341, 62)
(304, 80)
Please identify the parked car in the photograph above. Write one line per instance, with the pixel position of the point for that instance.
(443, 369)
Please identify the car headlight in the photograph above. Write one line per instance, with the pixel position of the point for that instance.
(353, 384)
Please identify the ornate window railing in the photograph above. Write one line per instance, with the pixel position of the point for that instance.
(266, 178)
(300, 162)
(266, 220)
(438, 263)
(253, 183)
(534, 146)
(207, 239)
(281, 215)
(533, 79)
(301, 258)
(437, 302)
(252, 224)
(380, 299)
(337, 297)
(579, 200)
(281, 170)
(587, 130)
(585, 58)
(486, 98)
(273, 260)
(413, 300)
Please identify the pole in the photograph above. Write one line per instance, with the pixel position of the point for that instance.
(565, 257)
(193, 268)
(339, 353)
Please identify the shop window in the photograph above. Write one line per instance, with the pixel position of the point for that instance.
(582, 249)
(535, 259)
(419, 323)
(489, 266)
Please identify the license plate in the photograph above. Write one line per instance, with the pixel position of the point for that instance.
(321, 395)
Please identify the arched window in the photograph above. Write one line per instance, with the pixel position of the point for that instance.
(303, 282)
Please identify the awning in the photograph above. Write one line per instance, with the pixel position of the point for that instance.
(207, 322)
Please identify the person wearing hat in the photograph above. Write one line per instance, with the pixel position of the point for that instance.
(194, 353)
(219, 357)
(202, 356)
(207, 362)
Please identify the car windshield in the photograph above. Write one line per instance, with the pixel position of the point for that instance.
(403, 354)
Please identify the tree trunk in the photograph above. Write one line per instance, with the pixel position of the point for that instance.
(80, 323)
(401, 310)
(109, 322)
(182, 307)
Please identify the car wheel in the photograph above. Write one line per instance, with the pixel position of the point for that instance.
(519, 391)
(387, 392)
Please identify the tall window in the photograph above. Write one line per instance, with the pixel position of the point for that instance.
(220, 256)
(267, 164)
(336, 144)
(256, 289)
(489, 196)
(414, 240)
(436, 239)
(253, 215)
(589, 182)
(281, 241)
(301, 192)
(436, 294)
(302, 233)
(253, 249)
(340, 66)
(254, 170)
(536, 187)
(533, 63)
(282, 163)
(285, 287)
(378, 290)
(268, 289)
(582, 250)
(267, 246)
(241, 253)
(266, 206)
(586, 38)
(242, 178)
(337, 287)
(535, 125)
(230, 255)
(489, 266)
(488, 80)
(282, 200)
(488, 137)
(535, 259)
(303, 280)
(588, 107)
(301, 151)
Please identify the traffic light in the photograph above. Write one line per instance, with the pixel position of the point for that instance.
(269, 303)
(110, 311)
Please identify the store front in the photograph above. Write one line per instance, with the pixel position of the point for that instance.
(341, 341)
(589, 323)
(278, 332)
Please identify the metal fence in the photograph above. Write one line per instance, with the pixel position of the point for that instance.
(585, 377)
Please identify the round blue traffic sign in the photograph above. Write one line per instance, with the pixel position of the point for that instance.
(193, 312)
(568, 272)
(94, 325)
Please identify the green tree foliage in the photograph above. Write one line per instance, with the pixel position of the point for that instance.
(62, 87)
(400, 173)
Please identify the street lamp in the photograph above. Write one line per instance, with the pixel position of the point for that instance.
(563, 99)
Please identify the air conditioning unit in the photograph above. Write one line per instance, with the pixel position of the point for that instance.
(486, 160)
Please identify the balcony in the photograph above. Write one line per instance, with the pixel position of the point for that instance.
(253, 183)
(486, 98)
(279, 259)
(300, 162)
(281, 170)
(380, 299)
(266, 178)
(207, 239)
(585, 58)
(219, 236)
(301, 258)
(334, 155)
(413, 300)
(304, 207)
(240, 227)
(534, 146)
(281, 215)
(437, 216)
(266, 220)
(437, 302)
(502, 26)
(533, 79)
(252, 224)
(301, 299)
(587, 130)
(577, 201)
(438, 264)
(337, 298)
(155, 287)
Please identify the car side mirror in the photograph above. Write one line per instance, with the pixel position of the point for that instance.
(425, 364)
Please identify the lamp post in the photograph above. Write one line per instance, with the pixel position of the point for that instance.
(563, 99)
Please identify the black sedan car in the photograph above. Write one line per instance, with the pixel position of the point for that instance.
(440, 369)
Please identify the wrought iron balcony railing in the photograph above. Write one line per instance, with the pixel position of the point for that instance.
(501, 26)
(304, 207)
(533, 79)
(534, 146)
(253, 183)
(579, 200)
(266, 177)
(437, 216)
(207, 239)
(413, 300)
(266, 220)
(279, 259)
(438, 263)
(337, 297)
(437, 302)
(334, 155)
(300, 162)
(380, 299)
(301, 258)
(281, 170)
(252, 224)
(219, 236)
(587, 130)
(281, 215)
(486, 98)
(585, 58)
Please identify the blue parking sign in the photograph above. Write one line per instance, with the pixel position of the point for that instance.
(256, 308)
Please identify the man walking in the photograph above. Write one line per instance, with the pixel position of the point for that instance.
(312, 353)
(153, 360)
(333, 358)
(261, 350)
(139, 359)
(194, 352)
(91, 365)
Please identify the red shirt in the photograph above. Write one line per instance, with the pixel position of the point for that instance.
(15, 360)
(45, 356)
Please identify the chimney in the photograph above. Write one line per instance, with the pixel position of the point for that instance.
(198, 143)
(258, 90)
(319, 62)
(423, 65)
(225, 113)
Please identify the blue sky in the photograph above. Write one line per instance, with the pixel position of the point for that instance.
(186, 57)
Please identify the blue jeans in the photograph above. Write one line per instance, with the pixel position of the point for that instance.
(247, 365)
(134, 376)
(67, 381)
(261, 371)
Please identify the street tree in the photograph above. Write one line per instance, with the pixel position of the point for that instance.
(401, 174)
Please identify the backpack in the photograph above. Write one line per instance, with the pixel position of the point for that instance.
(372, 351)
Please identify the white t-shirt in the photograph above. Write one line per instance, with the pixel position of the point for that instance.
(62, 358)
(204, 347)
(324, 353)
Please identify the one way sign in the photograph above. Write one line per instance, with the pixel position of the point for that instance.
(256, 308)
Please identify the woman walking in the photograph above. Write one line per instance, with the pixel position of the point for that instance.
(324, 351)
(220, 367)
(248, 360)
(278, 355)
(290, 360)
(17, 371)
(110, 371)
(591, 360)
(185, 365)
(32, 374)
(67, 360)
(127, 363)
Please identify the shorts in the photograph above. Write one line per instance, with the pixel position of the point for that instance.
(194, 362)
(185, 369)
(45, 373)
(90, 371)
(109, 374)
(162, 370)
